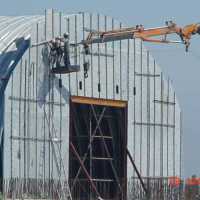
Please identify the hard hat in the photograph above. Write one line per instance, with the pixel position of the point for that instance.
(66, 35)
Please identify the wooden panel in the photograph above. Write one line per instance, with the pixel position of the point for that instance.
(95, 101)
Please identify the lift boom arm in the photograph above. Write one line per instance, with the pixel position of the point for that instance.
(148, 35)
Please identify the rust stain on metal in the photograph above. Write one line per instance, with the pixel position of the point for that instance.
(97, 101)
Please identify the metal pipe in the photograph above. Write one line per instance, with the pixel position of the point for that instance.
(73, 149)
(137, 172)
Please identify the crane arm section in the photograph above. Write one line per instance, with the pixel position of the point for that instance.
(148, 35)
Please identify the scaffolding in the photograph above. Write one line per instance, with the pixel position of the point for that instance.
(101, 141)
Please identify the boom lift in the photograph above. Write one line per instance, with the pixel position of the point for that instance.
(59, 47)
(57, 52)
(147, 35)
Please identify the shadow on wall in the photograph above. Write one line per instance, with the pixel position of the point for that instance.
(46, 77)
(8, 62)
(10, 59)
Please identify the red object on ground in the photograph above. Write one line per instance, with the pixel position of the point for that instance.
(174, 181)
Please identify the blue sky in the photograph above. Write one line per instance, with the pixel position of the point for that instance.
(183, 68)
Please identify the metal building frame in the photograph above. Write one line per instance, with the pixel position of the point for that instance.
(120, 71)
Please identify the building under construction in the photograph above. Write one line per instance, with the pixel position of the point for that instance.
(67, 135)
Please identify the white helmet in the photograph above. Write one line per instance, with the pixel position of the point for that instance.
(66, 35)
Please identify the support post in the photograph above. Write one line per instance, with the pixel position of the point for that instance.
(85, 170)
(138, 173)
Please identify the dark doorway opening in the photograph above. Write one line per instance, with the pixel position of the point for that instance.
(98, 131)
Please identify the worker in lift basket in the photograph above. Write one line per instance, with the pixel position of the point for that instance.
(60, 51)
(66, 50)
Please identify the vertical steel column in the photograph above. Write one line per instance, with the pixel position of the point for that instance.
(120, 64)
(148, 117)
(44, 124)
(28, 115)
(69, 31)
(60, 101)
(76, 52)
(174, 132)
(51, 115)
(181, 139)
(141, 114)
(154, 120)
(19, 122)
(134, 102)
(113, 51)
(99, 64)
(161, 126)
(36, 107)
(90, 141)
(25, 83)
(83, 38)
(91, 59)
(11, 138)
(161, 139)
(33, 112)
(128, 65)
(168, 127)
(106, 57)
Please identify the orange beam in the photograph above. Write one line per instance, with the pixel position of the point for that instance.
(101, 102)
(142, 33)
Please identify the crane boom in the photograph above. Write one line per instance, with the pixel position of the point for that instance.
(148, 35)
